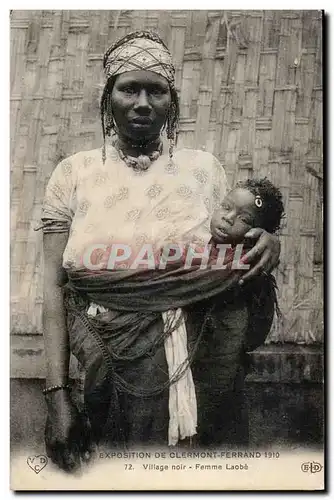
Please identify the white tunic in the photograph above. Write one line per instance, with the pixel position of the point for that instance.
(101, 204)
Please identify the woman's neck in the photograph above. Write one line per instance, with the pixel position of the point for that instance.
(136, 148)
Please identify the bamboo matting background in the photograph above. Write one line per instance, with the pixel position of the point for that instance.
(251, 93)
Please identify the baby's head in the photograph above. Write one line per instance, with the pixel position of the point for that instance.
(253, 203)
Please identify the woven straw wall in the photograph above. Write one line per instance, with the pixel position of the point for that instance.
(251, 93)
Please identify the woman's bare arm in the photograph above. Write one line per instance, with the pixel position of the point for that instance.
(54, 324)
(65, 434)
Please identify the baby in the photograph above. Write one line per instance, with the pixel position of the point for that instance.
(239, 319)
(253, 203)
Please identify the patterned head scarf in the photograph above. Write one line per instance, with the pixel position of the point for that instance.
(142, 50)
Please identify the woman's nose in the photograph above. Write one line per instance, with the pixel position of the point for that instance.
(142, 102)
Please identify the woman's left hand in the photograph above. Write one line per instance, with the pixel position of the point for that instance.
(265, 253)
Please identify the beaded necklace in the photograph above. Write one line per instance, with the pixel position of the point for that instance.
(142, 162)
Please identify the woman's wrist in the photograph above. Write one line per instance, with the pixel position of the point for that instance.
(56, 387)
(57, 400)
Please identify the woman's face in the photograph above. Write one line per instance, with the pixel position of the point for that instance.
(140, 103)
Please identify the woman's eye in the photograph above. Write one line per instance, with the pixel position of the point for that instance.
(157, 91)
(128, 90)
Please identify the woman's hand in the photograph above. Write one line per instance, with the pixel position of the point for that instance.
(67, 437)
(264, 255)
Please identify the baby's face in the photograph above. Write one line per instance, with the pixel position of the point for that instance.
(236, 215)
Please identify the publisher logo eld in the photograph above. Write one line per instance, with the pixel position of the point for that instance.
(311, 467)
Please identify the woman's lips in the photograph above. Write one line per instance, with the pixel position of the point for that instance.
(141, 126)
(142, 121)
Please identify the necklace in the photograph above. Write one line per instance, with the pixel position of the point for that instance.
(142, 162)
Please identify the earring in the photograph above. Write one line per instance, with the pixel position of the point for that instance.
(104, 154)
(110, 127)
(171, 149)
(258, 201)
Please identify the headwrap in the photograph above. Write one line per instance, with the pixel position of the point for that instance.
(144, 52)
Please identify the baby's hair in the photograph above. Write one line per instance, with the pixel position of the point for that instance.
(272, 210)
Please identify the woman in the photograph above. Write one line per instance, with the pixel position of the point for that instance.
(131, 193)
